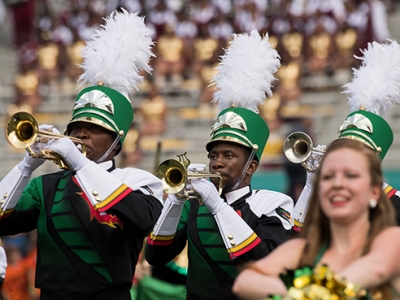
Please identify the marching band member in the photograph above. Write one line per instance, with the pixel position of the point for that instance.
(91, 220)
(373, 90)
(240, 224)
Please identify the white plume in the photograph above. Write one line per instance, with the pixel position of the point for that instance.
(375, 86)
(118, 52)
(245, 72)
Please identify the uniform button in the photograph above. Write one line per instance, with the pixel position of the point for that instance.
(233, 243)
(95, 193)
(98, 199)
(230, 236)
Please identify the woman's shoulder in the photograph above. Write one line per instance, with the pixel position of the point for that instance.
(296, 242)
(387, 242)
(389, 234)
(293, 245)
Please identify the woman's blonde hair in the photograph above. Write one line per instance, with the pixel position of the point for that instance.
(316, 228)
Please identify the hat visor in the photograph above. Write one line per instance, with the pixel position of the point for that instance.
(90, 120)
(228, 139)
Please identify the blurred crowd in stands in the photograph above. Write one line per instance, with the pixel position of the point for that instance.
(312, 37)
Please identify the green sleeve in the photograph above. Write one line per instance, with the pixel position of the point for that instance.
(31, 198)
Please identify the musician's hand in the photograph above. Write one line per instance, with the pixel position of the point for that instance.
(208, 192)
(175, 200)
(29, 163)
(70, 152)
(315, 162)
(194, 168)
(49, 128)
(41, 142)
(197, 168)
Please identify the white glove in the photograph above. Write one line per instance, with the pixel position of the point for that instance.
(314, 161)
(49, 128)
(174, 200)
(29, 163)
(197, 168)
(69, 152)
(310, 179)
(194, 168)
(208, 192)
(316, 157)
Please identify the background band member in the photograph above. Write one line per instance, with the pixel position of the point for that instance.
(372, 91)
(241, 224)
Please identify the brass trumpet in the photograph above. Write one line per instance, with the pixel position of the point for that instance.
(22, 131)
(298, 148)
(174, 176)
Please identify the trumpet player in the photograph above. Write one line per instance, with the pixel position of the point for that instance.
(240, 224)
(91, 220)
(372, 90)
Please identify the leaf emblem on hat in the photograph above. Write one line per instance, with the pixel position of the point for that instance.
(230, 120)
(358, 121)
(96, 99)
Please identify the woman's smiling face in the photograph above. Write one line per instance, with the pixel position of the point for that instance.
(345, 188)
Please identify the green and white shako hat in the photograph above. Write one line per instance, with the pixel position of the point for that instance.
(113, 60)
(374, 88)
(243, 81)
(105, 107)
(368, 128)
(241, 126)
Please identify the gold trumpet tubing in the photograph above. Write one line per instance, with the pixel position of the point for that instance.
(208, 175)
(193, 194)
(189, 194)
(50, 135)
(50, 155)
(55, 157)
(33, 153)
(176, 179)
(22, 131)
(185, 193)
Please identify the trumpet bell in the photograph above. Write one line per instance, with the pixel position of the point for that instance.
(173, 176)
(21, 130)
(298, 147)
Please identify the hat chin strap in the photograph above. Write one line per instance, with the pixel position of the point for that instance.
(105, 155)
(249, 160)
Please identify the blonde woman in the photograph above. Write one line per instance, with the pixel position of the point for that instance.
(350, 227)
